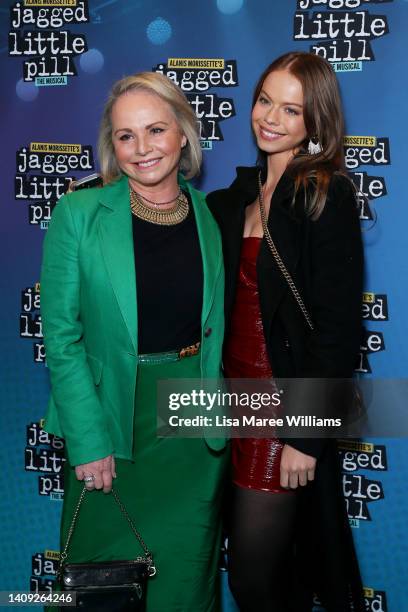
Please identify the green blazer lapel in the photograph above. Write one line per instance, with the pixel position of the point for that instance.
(116, 242)
(210, 246)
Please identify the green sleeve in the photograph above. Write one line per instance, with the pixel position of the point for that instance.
(79, 411)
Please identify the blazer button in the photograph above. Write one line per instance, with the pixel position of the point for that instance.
(208, 332)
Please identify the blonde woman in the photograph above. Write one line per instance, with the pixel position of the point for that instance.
(132, 275)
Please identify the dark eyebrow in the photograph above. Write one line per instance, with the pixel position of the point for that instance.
(293, 104)
(147, 127)
(263, 92)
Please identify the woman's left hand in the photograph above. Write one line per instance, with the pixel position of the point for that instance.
(296, 468)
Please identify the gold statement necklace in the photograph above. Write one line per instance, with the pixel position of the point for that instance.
(154, 214)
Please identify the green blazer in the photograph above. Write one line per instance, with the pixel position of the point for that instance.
(89, 313)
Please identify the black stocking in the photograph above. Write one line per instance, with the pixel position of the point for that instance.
(260, 545)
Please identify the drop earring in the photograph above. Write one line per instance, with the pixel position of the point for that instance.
(314, 147)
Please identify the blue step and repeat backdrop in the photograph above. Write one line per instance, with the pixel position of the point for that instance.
(58, 61)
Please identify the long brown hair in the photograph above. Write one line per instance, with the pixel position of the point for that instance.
(323, 117)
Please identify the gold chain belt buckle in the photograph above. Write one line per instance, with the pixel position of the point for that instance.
(189, 351)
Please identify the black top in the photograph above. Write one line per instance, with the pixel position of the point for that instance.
(169, 281)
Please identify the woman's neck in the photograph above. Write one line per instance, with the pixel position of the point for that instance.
(159, 194)
(276, 166)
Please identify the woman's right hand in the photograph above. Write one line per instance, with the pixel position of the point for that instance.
(296, 468)
(102, 470)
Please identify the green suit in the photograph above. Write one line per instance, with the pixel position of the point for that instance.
(89, 311)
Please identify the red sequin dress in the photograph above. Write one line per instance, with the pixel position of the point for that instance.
(255, 462)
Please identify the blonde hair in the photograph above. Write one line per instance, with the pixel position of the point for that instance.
(158, 85)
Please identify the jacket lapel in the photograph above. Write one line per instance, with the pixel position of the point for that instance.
(116, 243)
(284, 227)
(209, 245)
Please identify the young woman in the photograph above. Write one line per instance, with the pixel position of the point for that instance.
(289, 533)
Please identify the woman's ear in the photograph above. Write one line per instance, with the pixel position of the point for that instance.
(183, 141)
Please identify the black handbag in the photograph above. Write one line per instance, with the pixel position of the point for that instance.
(114, 586)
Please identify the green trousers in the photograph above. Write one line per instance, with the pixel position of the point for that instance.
(173, 491)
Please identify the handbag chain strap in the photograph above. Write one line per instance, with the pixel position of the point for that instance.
(149, 556)
(278, 259)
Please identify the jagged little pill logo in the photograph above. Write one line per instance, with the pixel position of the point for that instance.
(195, 77)
(367, 151)
(38, 36)
(375, 600)
(30, 321)
(374, 308)
(360, 490)
(44, 171)
(340, 31)
(44, 566)
(44, 456)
